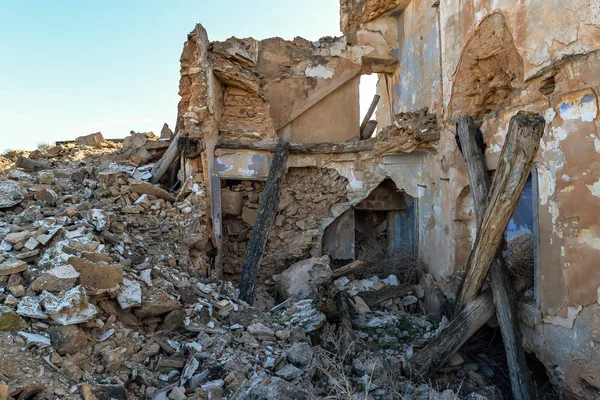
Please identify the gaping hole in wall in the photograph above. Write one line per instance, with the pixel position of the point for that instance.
(307, 196)
(239, 208)
(381, 231)
(539, 375)
(367, 90)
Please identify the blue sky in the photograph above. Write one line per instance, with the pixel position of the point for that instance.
(70, 68)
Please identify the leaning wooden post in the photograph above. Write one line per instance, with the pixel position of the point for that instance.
(504, 296)
(264, 221)
(432, 357)
(520, 147)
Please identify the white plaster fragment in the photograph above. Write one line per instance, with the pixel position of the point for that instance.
(589, 237)
(567, 322)
(549, 115)
(581, 106)
(566, 178)
(597, 145)
(319, 71)
(547, 184)
(595, 188)
(568, 189)
(560, 133)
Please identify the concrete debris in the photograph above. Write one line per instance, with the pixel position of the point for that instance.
(12, 266)
(10, 194)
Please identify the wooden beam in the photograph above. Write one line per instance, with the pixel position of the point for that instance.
(375, 297)
(305, 148)
(369, 113)
(369, 130)
(264, 221)
(159, 169)
(503, 292)
(319, 95)
(436, 353)
(348, 269)
(522, 141)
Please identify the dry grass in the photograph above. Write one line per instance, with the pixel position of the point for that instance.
(519, 255)
(407, 267)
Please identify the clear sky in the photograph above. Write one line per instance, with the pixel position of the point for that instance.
(70, 68)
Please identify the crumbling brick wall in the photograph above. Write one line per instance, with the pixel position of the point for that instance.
(307, 196)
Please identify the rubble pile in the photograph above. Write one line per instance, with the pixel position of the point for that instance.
(419, 126)
(103, 287)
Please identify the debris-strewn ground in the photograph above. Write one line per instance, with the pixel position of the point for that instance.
(103, 294)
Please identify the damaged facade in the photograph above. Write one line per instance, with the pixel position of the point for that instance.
(487, 59)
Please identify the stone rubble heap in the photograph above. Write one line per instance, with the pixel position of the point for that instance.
(99, 283)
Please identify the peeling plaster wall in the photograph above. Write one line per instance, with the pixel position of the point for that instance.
(543, 30)
(566, 94)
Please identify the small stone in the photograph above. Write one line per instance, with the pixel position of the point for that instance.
(289, 372)
(455, 360)
(31, 244)
(12, 266)
(157, 304)
(113, 359)
(31, 307)
(97, 277)
(10, 194)
(38, 340)
(56, 280)
(17, 291)
(249, 215)
(11, 301)
(45, 177)
(260, 331)
(10, 321)
(361, 306)
(92, 140)
(300, 354)
(16, 237)
(178, 393)
(478, 379)
(67, 339)
(131, 294)
(46, 195)
(283, 334)
(102, 392)
(409, 300)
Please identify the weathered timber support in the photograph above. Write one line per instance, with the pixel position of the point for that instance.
(432, 357)
(504, 296)
(369, 130)
(304, 148)
(348, 269)
(159, 169)
(520, 147)
(369, 113)
(264, 221)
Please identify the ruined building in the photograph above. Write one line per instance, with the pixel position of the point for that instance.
(406, 188)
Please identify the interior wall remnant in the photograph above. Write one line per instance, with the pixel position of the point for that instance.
(339, 237)
(490, 68)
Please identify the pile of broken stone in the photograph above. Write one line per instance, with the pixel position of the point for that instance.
(96, 284)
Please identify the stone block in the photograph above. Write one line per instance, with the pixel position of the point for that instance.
(231, 202)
